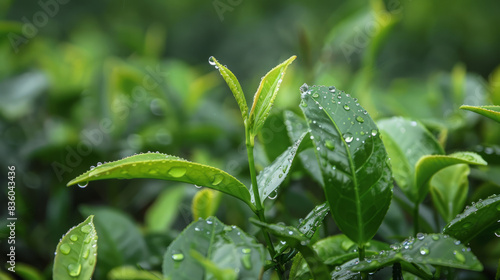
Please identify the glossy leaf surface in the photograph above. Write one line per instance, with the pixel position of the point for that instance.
(273, 175)
(433, 249)
(233, 84)
(406, 142)
(489, 111)
(295, 239)
(166, 167)
(295, 126)
(226, 246)
(266, 94)
(474, 219)
(205, 203)
(449, 188)
(76, 252)
(427, 166)
(352, 158)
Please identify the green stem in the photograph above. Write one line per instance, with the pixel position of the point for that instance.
(259, 210)
(416, 226)
(361, 254)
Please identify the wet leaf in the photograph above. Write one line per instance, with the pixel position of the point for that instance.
(266, 94)
(428, 166)
(406, 142)
(353, 161)
(228, 247)
(76, 252)
(449, 188)
(166, 167)
(474, 219)
(233, 84)
(433, 249)
(489, 111)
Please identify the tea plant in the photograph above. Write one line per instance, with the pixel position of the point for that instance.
(355, 160)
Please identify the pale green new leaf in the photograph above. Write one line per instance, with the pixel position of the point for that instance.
(132, 273)
(449, 188)
(490, 111)
(76, 253)
(427, 166)
(233, 84)
(228, 247)
(205, 203)
(476, 218)
(266, 94)
(352, 158)
(166, 167)
(163, 212)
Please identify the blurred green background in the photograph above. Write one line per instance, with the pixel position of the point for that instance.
(94, 81)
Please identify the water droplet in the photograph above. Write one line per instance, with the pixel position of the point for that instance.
(479, 204)
(273, 195)
(303, 103)
(177, 172)
(198, 187)
(73, 237)
(246, 259)
(420, 236)
(246, 250)
(177, 256)
(374, 132)
(92, 167)
(86, 228)
(74, 269)
(329, 145)
(86, 254)
(348, 137)
(290, 232)
(304, 88)
(211, 60)
(315, 95)
(332, 89)
(217, 179)
(65, 248)
(459, 256)
(346, 107)
(424, 251)
(197, 229)
(83, 185)
(209, 221)
(435, 237)
(360, 119)
(467, 225)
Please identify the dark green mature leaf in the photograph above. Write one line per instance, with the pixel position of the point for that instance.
(266, 94)
(295, 126)
(490, 111)
(449, 188)
(273, 175)
(166, 167)
(428, 166)
(296, 239)
(76, 252)
(433, 249)
(353, 161)
(120, 240)
(406, 142)
(233, 84)
(226, 246)
(474, 219)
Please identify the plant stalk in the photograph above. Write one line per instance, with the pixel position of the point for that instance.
(259, 210)
(416, 226)
(361, 256)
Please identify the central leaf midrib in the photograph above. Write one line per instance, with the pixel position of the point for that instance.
(353, 171)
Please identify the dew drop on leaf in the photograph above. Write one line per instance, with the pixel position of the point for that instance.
(360, 119)
(374, 132)
(73, 237)
(332, 89)
(348, 137)
(273, 195)
(315, 95)
(329, 145)
(177, 256)
(246, 250)
(304, 88)
(303, 103)
(346, 107)
(420, 236)
(86, 254)
(74, 269)
(83, 185)
(467, 225)
(217, 179)
(459, 256)
(65, 249)
(435, 237)
(211, 60)
(424, 251)
(177, 172)
(86, 228)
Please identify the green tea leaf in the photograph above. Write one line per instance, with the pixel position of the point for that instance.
(295, 126)
(352, 158)
(266, 94)
(120, 240)
(212, 269)
(449, 188)
(433, 249)
(273, 175)
(132, 273)
(166, 167)
(76, 252)
(299, 241)
(160, 216)
(226, 246)
(476, 218)
(427, 166)
(406, 142)
(490, 111)
(233, 84)
(205, 203)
